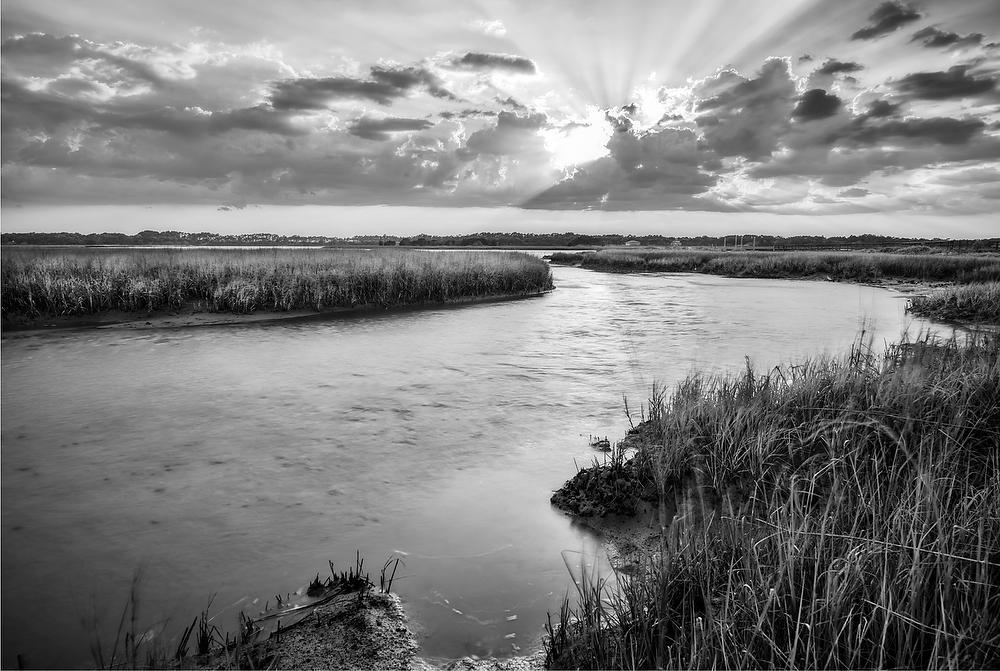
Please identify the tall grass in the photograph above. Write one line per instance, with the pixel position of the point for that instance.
(843, 513)
(970, 303)
(72, 282)
(857, 266)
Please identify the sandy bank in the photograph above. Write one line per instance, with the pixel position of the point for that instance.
(351, 628)
(192, 316)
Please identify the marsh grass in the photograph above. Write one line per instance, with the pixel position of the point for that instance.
(969, 303)
(856, 266)
(254, 642)
(853, 521)
(44, 282)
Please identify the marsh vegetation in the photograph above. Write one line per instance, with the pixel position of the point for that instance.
(48, 282)
(855, 266)
(841, 513)
(979, 302)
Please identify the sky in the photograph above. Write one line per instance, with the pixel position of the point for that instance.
(805, 108)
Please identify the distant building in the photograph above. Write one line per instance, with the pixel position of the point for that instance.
(633, 243)
(675, 243)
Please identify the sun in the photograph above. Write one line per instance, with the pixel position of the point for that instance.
(579, 142)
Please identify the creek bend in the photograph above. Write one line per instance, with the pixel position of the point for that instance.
(236, 460)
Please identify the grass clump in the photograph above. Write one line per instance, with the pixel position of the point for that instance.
(970, 303)
(850, 518)
(854, 266)
(44, 282)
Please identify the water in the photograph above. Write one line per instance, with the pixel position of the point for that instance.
(236, 461)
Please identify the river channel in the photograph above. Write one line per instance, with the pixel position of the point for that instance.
(235, 461)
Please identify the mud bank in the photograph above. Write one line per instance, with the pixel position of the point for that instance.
(193, 316)
(343, 622)
(619, 500)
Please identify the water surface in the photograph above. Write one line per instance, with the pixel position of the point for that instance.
(236, 461)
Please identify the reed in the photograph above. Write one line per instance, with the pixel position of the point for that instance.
(44, 282)
(969, 303)
(855, 266)
(842, 513)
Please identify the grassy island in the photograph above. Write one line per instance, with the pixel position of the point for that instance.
(854, 266)
(841, 513)
(39, 283)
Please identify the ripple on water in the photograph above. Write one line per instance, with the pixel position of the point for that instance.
(263, 451)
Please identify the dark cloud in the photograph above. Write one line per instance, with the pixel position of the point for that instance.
(467, 114)
(406, 78)
(934, 38)
(25, 110)
(881, 108)
(885, 19)
(382, 129)
(384, 85)
(511, 103)
(312, 93)
(669, 157)
(260, 118)
(832, 67)
(511, 120)
(479, 61)
(942, 130)
(854, 193)
(513, 134)
(743, 116)
(864, 146)
(816, 104)
(29, 111)
(39, 54)
(652, 170)
(954, 83)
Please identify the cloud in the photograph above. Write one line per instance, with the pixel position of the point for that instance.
(88, 120)
(513, 134)
(54, 113)
(854, 150)
(816, 104)
(935, 38)
(942, 130)
(510, 102)
(881, 108)
(832, 67)
(382, 129)
(384, 85)
(318, 93)
(480, 61)
(659, 169)
(742, 116)
(260, 118)
(954, 83)
(467, 114)
(407, 78)
(494, 28)
(888, 17)
(44, 55)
